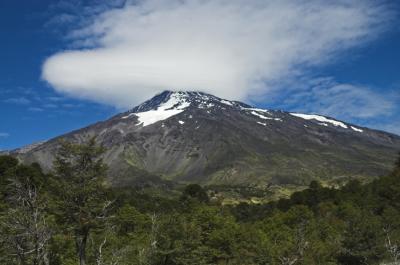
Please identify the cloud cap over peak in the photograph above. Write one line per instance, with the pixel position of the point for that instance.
(234, 49)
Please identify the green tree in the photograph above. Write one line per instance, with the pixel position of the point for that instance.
(396, 171)
(81, 191)
(8, 166)
(391, 233)
(195, 191)
(6, 163)
(361, 238)
(24, 227)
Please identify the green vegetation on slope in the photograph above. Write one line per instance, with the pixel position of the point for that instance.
(73, 216)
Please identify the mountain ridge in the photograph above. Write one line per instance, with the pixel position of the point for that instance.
(197, 137)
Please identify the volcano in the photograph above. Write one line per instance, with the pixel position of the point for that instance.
(193, 137)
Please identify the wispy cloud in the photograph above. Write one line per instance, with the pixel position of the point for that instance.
(69, 105)
(347, 101)
(359, 104)
(61, 19)
(18, 101)
(67, 14)
(235, 49)
(36, 109)
(50, 106)
(4, 135)
(55, 99)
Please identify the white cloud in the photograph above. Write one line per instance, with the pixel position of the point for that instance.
(18, 101)
(236, 49)
(35, 109)
(4, 135)
(358, 104)
(344, 101)
(352, 101)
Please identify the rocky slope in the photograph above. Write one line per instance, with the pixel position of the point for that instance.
(196, 137)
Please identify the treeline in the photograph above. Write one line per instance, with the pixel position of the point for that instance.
(73, 216)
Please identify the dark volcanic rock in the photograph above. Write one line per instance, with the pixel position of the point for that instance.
(196, 137)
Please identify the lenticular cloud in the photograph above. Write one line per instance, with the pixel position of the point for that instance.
(236, 49)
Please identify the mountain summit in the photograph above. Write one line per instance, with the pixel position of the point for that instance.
(197, 137)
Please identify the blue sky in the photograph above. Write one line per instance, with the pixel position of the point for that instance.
(52, 54)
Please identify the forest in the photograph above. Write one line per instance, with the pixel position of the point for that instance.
(72, 215)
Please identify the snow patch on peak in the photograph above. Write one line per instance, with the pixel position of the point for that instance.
(256, 109)
(259, 115)
(256, 112)
(226, 102)
(324, 120)
(176, 103)
(356, 129)
(176, 100)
